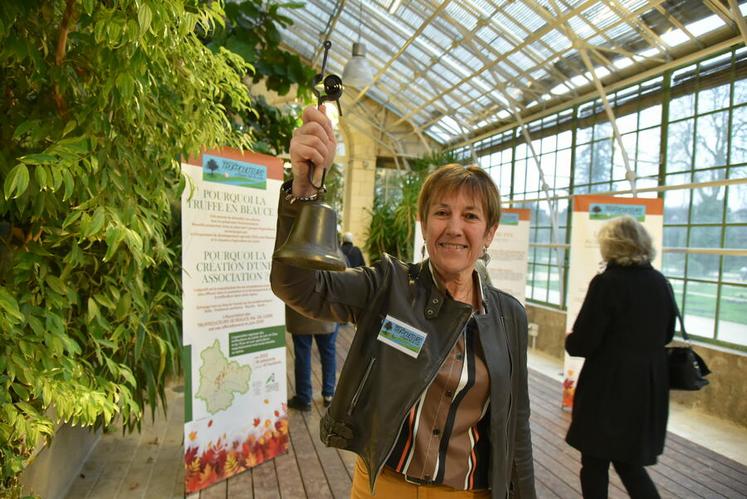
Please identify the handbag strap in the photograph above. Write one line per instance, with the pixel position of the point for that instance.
(677, 312)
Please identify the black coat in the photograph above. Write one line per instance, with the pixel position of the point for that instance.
(353, 254)
(621, 404)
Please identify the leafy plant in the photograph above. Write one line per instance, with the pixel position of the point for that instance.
(252, 30)
(392, 227)
(272, 127)
(99, 99)
(379, 238)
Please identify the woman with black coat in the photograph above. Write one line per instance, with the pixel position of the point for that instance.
(621, 402)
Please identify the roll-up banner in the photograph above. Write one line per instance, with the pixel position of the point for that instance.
(509, 253)
(233, 326)
(420, 252)
(590, 213)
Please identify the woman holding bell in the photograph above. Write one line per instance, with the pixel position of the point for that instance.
(433, 393)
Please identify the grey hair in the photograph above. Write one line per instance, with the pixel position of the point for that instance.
(624, 241)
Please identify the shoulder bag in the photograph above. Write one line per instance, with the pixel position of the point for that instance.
(687, 370)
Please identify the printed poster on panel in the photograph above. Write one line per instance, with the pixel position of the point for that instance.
(590, 213)
(420, 252)
(509, 253)
(233, 330)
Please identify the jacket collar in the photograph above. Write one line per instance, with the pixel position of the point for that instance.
(438, 292)
(644, 265)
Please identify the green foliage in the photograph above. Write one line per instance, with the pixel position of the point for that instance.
(252, 31)
(271, 127)
(99, 99)
(381, 237)
(334, 182)
(392, 228)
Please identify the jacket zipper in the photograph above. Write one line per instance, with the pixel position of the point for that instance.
(358, 390)
(510, 399)
(441, 361)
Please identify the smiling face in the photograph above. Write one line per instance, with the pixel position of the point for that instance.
(455, 231)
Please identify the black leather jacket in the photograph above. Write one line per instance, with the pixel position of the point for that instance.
(379, 384)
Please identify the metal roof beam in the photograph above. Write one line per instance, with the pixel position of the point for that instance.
(339, 5)
(637, 78)
(382, 47)
(470, 36)
(402, 49)
(632, 19)
(720, 10)
(535, 36)
(676, 22)
(573, 89)
(469, 40)
(415, 128)
(483, 115)
(380, 142)
(739, 19)
(364, 114)
(308, 38)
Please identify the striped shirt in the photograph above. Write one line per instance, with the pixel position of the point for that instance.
(444, 438)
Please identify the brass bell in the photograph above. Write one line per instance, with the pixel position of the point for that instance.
(312, 243)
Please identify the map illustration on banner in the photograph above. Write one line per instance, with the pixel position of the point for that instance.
(233, 325)
(590, 213)
(220, 379)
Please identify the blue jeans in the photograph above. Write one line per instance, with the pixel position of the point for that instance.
(302, 348)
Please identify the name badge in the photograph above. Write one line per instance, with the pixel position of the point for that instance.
(401, 336)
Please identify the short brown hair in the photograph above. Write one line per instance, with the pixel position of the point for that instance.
(624, 241)
(455, 177)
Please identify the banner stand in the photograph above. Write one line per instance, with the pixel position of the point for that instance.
(590, 213)
(233, 326)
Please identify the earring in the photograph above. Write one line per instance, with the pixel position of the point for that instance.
(485, 256)
(422, 251)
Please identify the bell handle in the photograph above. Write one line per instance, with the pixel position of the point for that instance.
(320, 188)
(336, 84)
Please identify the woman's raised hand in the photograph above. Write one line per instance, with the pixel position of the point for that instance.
(314, 142)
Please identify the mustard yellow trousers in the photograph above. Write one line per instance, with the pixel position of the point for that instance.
(392, 485)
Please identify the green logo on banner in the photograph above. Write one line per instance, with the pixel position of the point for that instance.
(232, 172)
(255, 340)
(599, 211)
(509, 219)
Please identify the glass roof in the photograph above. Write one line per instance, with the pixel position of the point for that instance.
(456, 69)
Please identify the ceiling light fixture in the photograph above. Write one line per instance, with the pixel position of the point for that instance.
(357, 72)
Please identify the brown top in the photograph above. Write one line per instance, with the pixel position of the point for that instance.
(444, 438)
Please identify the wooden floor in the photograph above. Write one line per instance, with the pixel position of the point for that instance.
(149, 465)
